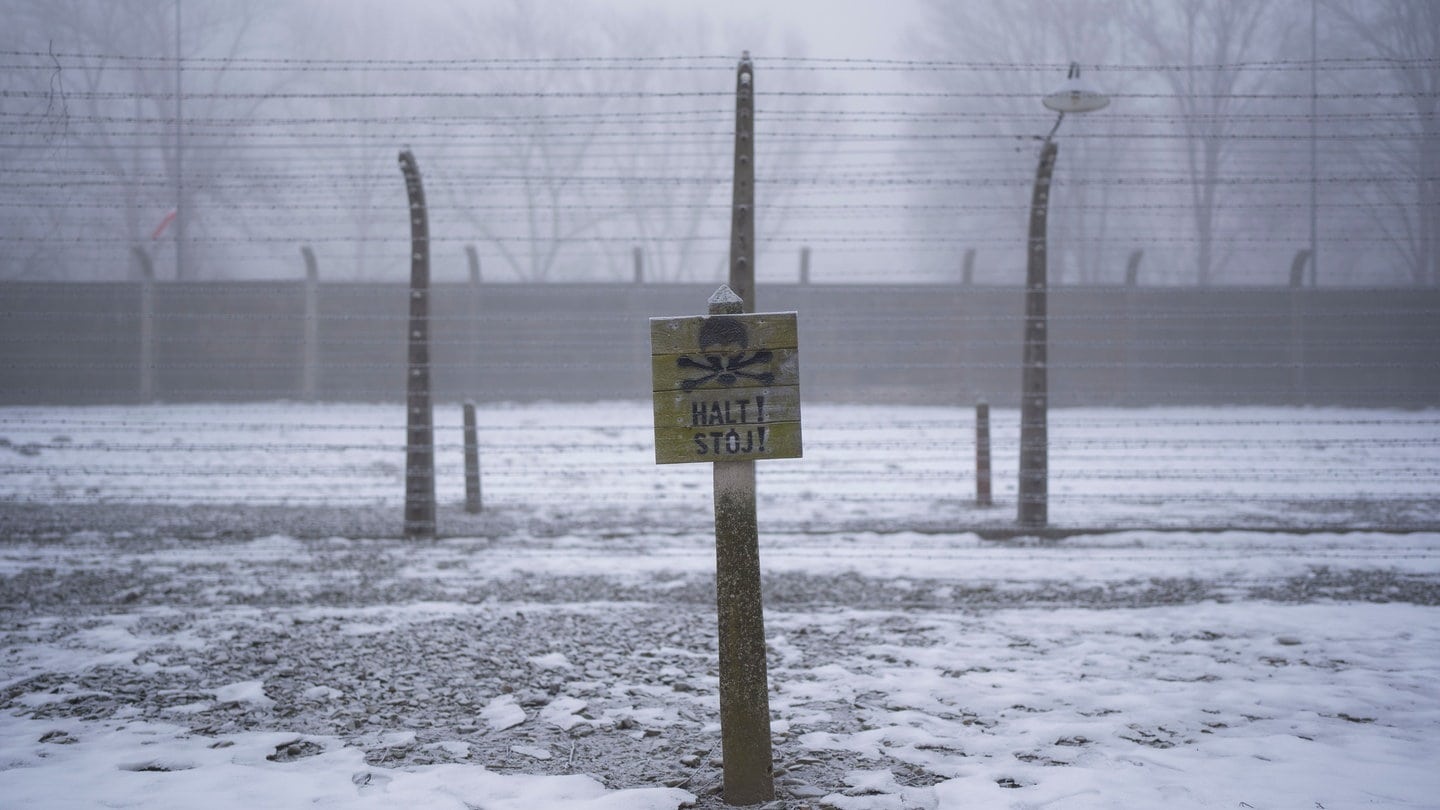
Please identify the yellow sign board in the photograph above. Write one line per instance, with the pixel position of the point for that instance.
(726, 387)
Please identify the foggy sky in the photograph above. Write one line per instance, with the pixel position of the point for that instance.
(559, 171)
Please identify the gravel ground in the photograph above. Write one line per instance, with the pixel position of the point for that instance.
(401, 650)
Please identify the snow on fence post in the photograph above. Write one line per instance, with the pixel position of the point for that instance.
(146, 383)
(310, 365)
(982, 454)
(419, 419)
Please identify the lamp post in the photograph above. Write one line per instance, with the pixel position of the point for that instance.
(1074, 96)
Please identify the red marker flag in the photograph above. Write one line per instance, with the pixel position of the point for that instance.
(164, 223)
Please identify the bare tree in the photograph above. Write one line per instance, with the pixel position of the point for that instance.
(609, 134)
(98, 178)
(1208, 38)
(107, 82)
(535, 143)
(354, 104)
(1403, 35)
(1019, 50)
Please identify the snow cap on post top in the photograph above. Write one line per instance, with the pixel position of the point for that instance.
(725, 302)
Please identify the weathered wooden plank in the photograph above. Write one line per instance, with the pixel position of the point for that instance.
(728, 407)
(770, 330)
(733, 443)
(760, 368)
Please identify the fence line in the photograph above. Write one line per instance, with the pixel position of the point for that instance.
(882, 468)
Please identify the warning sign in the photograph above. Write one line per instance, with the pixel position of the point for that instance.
(727, 387)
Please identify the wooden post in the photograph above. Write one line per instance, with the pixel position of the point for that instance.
(310, 368)
(419, 421)
(638, 256)
(472, 461)
(804, 266)
(967, 273)
(1034, 498)
(744, 682)
(982, 454)
(147, 324)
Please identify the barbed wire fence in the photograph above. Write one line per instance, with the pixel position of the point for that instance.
(610, 153)
(867, 468)
(1265, 405)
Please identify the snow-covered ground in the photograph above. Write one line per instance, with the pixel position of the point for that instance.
(910, 665)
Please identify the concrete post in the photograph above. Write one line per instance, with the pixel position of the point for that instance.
(1297, 268)
(472, 260)
(146, 382)
(742, 223)
(310, 365)
(1132, 268)
(744, 695)
(982, 454)
(1034, 387)
(744, 681)
(419, 419)
(1298, 387)
(473, 350)
(1129, 355)
(472, 461)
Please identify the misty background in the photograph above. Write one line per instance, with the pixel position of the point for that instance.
(559, 137)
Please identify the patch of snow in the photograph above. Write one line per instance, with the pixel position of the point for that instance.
(161, 767)
(502, 712)
(553, 660)
(322, 693)
(564, 713)
(249, 692)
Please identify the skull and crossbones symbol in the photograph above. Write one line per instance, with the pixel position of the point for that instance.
(723, 345)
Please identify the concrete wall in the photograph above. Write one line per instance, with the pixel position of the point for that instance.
(66, 343)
